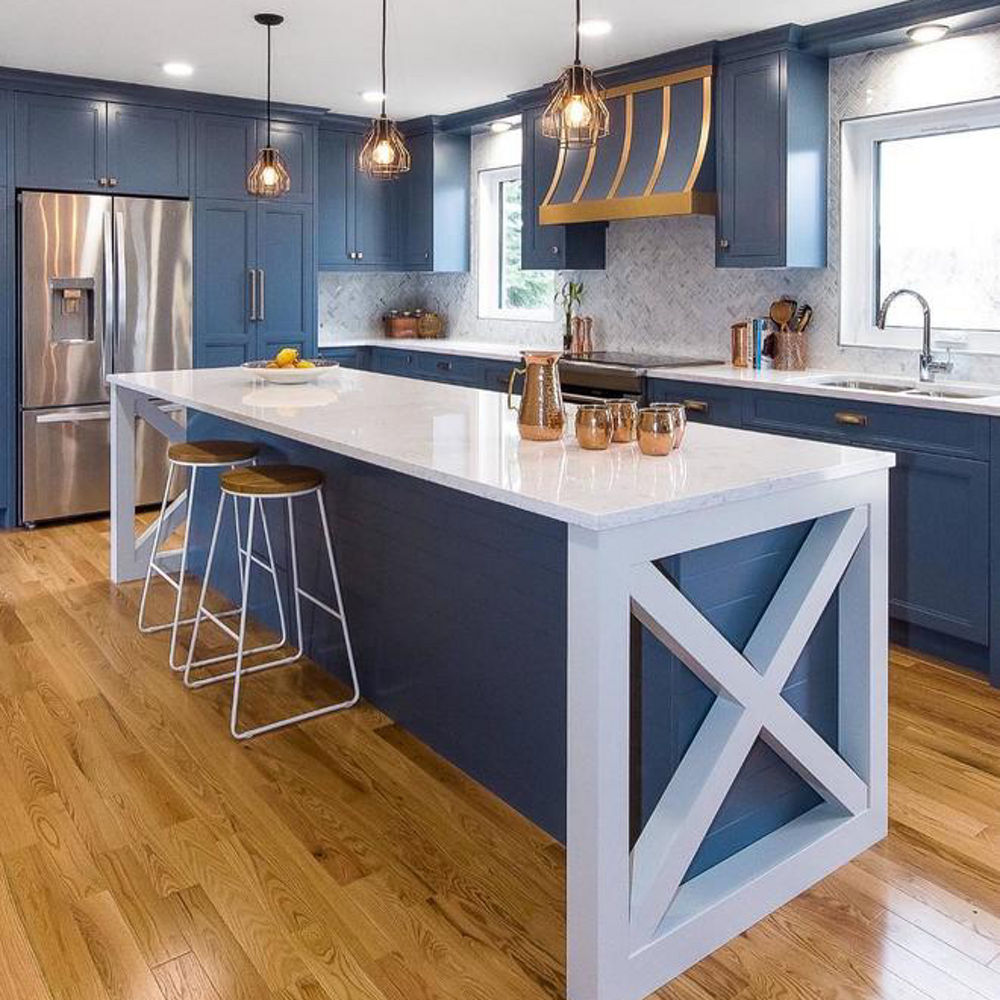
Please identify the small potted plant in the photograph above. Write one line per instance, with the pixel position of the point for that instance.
(569, 298)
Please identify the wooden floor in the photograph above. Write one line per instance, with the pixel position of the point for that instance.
(146, 856)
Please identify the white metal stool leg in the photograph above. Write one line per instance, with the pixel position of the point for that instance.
(297, 593)
(143, 627)
(246, 562)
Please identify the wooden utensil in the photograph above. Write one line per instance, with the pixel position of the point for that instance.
(803, 318)
(782, 312)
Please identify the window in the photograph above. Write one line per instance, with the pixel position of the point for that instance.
(921, 209)
(505, 290)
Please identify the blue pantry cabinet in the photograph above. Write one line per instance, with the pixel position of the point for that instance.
(78, 144)
(7, 385)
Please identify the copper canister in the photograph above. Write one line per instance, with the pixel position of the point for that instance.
(741, 344)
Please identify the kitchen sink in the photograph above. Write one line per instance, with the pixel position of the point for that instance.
(943, 392)
(864, 384)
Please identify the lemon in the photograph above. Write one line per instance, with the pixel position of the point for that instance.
(304, 364)
(286, 357)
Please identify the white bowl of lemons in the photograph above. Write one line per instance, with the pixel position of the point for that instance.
(287, 368)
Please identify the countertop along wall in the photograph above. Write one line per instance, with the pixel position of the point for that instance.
(661, 291)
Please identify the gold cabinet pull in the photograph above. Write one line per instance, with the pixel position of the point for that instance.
(851, 419)
(695, 405)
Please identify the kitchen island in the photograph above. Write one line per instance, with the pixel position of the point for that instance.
(676, 665)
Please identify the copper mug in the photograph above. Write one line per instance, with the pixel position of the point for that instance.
(594, 426)
(658, 427)
(624, 419)
(541, 416)
(682, 420)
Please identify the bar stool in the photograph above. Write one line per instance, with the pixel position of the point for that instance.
(263, 483)
(195, 456)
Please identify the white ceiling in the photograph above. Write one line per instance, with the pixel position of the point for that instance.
(444, 55)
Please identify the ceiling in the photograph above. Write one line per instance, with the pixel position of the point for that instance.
(444, 55)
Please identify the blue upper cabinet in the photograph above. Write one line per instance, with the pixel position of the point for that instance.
(433, 204)
(6, 136)
(149, 150)
(225, 282)
(580, 246)
(224, 149)
(61, 143)
(286, 262)
(358, 225)
(75, 144)
(335, 202)
(296, 141)
(771, 143)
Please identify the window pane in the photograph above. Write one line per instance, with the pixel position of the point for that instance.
(939, 227)
(518, 289)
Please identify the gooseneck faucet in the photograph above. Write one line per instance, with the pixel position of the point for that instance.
(929, 366)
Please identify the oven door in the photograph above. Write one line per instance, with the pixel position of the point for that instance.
(590, 394)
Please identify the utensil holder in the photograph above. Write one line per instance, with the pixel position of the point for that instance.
(789, 351)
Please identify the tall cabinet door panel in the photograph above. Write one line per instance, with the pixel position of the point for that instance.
(297, 144)
(7, 433)
(286, 259)
(336, 199)
(61, 143)
(149, 150)
(939, 544)
(416, 206)
(224, 149)
(225, 254)
(375, 231)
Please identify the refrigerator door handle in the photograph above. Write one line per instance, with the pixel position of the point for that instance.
(119, 278)
(252, 275)
(72, 418)
(109, 299)
(260, 272)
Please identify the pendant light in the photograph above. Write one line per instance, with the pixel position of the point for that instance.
(268, 177)
(576, 114)
(384, 155)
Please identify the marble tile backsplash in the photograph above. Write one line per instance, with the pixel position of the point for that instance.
(661, 290)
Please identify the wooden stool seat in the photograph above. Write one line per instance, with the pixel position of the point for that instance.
(211, 452)
(271, 480)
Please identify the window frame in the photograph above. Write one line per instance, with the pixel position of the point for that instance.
(859, 140)
(489, 253)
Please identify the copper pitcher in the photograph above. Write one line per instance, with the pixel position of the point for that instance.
(541, 416)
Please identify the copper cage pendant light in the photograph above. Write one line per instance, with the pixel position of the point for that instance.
(268, 177)
(384, 155)
(576, 114)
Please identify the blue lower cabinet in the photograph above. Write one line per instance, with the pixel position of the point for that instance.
(348, 357)
(705, 404)
(452, 368)
(939, 542)
(496, 374)
(286, 288)
(224, 283)
(392, 361)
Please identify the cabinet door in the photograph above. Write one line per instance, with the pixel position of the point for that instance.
(751, 163)
(149, 150)
(224, 149)
(7, 437)
(297, 144)
(335, 200)
(225, 246)
(542, 247)
(61, 143)
(6, 136)
(375, 229)
(287, 289)
(939, 544)
(416, 206)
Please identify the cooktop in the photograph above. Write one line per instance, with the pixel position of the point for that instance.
(628, 360)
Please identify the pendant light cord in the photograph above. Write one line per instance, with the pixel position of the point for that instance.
(269, 85)
(576, 61)
(385, 5)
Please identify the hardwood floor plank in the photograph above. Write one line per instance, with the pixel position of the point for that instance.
(20, 973)
(183, 978)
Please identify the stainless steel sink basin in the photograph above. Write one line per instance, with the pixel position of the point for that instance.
(864, 384)
(943, 392)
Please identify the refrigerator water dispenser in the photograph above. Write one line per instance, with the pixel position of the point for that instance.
(72, 310)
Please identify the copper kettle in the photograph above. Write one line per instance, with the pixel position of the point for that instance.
(541, 416)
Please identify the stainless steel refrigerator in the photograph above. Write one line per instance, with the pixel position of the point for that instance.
(105, 287)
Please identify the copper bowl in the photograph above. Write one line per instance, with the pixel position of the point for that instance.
(658, 430)
(594, 426)
(681, 415)
(624, 420)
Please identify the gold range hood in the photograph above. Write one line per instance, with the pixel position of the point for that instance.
(654, 161)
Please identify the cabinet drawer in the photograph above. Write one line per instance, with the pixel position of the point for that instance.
(390, 361)
(496, 374)
(449, 368)
(872, 424)
(705, 404)
(349, 357)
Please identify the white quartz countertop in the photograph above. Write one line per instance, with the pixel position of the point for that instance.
(985, 398)
(467, 439)
(442, 345)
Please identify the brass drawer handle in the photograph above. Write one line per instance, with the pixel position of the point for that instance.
(851, 419)
(695, 405)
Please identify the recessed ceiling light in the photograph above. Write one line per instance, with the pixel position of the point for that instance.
(178, 68)
(594, 28)
(500, 126)
(372, 96)
(924, 33)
